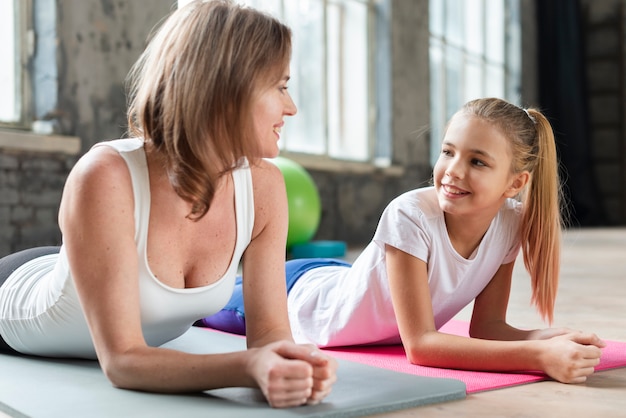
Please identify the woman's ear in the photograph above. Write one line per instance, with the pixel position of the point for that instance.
(519, 181)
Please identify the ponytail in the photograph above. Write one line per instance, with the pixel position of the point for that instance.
(541, 221)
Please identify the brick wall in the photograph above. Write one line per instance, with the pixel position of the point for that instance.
(30, 191)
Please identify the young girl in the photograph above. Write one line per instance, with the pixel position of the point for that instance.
(155, 226)
(496, 189)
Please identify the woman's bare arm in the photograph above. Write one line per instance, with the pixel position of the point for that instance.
(264, 285)
(96, 218)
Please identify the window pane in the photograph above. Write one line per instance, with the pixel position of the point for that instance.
(9, 65)
(495, 33)
(474, 79)
(306, 131)
(437, 98)
(435, 18)
(513, 46)
(474, 26)
(454, 24)
(347, 80)
(495, 81)
(454, 79)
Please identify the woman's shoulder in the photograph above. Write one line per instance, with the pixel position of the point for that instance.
(268, 208)
(122, 145)
(108, 156)
(268, 185)
(100, 175)
(102, 167)
(105, 158)
(266, 176)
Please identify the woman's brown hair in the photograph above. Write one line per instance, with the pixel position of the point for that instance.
(191, 92)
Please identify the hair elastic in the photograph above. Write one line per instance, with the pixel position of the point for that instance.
(529, 115)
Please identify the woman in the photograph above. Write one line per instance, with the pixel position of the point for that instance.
(154, 226)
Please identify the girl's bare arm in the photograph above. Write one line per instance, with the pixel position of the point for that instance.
(569, 358)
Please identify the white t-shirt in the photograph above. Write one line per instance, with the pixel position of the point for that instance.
(337, 306)
(40, 312)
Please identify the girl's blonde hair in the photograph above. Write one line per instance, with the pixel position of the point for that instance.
(534, 150)
(192, 88)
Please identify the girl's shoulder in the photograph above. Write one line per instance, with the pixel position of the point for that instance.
(416, 209)
(511, 209)
(420, 202)
(410, 222)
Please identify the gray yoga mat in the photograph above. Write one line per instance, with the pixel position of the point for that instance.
(37, 387)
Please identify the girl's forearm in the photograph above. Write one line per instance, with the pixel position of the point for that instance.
(500, 331)
(436, 349)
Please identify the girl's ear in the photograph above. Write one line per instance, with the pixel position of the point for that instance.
(517, 184)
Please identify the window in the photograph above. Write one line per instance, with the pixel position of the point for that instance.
(9, 109)
(14, 49)
(330, 76)
(475, 49)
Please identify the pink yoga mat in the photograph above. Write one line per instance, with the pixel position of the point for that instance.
(393, 358)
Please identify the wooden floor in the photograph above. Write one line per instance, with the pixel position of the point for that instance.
(592, 297)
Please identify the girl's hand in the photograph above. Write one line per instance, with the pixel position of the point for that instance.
(571, 357)
(547, 333)
(291, 375)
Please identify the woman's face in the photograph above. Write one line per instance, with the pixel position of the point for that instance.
(473, 173)
(269, 107)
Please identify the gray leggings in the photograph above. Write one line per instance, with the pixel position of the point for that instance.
(10, 263)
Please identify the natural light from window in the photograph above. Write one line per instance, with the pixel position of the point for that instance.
(9, 109)
(474, 52)
(329, 72)
(329, 76)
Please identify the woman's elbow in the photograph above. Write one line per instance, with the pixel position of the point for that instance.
(116, 376)
(119, 372)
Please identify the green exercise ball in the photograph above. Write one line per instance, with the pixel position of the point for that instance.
(303, 201)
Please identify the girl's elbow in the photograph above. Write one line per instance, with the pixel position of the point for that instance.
(416, 355)
(423, 351)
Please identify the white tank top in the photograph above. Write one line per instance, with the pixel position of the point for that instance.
(40, 312)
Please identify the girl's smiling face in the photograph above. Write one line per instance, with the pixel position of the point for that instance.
(269, 108)
(473, 173)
